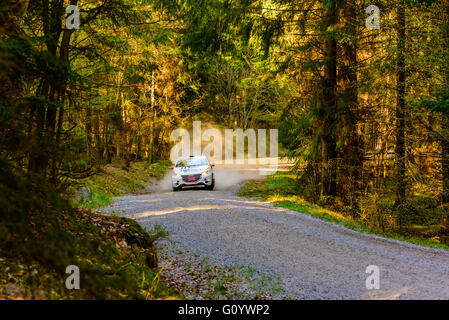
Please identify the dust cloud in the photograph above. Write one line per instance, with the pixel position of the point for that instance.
(226, 177)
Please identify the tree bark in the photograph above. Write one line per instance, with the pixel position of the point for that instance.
(329, 101)
(400, 107)
(445, 117)
(353, 151)
(152, 119)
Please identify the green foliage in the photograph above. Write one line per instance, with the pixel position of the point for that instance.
(108, 95)
(441, 105)
(422, 2)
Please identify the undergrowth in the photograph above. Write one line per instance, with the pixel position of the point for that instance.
(422, 225)
(41, 234)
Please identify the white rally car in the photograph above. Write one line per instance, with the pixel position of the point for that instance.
(193, 171)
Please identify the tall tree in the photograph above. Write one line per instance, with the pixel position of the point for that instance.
(445, 115)
(401, 77)
(352, 152)
(329, 97)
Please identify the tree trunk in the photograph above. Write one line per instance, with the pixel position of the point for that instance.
(400, 108)
(353, 151)
(152, 111)
(445, 119)
(329, 101)
(36, 162)
(53, 90)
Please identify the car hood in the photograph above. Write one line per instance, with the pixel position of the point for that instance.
(190, 170)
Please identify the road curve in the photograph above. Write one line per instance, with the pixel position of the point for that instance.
(314, 259)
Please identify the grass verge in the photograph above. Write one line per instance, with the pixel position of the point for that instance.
(197, 278)
(115, 180)
(281, 190)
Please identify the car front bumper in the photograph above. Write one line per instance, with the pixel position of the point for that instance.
(204, 180)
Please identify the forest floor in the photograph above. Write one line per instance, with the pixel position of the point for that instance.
(41, 234)
(288, 254)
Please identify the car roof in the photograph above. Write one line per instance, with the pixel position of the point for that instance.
(192, 157)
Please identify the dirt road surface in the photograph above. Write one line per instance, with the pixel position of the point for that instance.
(314, 259)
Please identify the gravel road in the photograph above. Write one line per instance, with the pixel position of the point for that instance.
(314, 259)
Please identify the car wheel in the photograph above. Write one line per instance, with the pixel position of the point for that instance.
(211, 187)
(176, 189)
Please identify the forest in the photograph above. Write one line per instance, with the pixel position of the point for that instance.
(363, 112)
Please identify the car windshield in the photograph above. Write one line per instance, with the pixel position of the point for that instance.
(192, 162)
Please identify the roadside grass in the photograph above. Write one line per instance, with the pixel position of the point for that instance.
(115, 180)
(226, 283)
(197, 278)
(281, 190)
(263, 283)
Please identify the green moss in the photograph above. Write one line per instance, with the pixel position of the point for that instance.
(135, 234)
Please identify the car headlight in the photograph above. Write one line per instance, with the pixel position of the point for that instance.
(177, 175)
(206, 172)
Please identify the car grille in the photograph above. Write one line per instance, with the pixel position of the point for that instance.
(190, 176)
